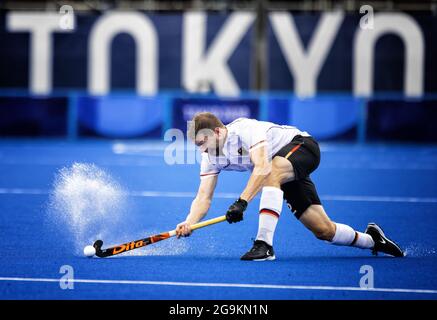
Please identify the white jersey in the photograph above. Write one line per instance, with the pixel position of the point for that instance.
(244, 136)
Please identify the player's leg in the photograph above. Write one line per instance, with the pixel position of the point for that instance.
(270, 208)
(282, 171)
(317, 221)
(303, 200)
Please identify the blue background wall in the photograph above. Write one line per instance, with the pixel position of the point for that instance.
(334, 113)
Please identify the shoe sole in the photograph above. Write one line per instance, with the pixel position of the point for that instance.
(270, 258)
(379, 229)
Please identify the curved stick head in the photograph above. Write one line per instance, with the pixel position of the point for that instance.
(98, 245)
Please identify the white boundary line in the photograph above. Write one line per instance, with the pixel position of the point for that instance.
(23, 191)
(222, 195)
(223, 285)
(378, 199)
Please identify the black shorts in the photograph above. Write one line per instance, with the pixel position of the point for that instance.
(304, 155)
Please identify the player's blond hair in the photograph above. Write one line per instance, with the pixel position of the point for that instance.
(202, 121)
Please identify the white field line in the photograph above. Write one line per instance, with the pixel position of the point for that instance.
(223, 195)
(23, 191)
(377, 199)
(222, 285)
(143, 161)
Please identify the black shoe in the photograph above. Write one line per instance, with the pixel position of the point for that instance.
(260, 251)
(382, 243)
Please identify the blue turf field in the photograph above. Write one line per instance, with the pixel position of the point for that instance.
(395, 186)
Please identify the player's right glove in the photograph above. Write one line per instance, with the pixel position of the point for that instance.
(236, 211)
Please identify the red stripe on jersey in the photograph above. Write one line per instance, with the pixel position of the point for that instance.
(270, 212)
(208, 174)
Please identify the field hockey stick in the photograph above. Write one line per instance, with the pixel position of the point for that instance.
(103, 253)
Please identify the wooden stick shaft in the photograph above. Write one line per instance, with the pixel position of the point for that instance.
(202, 224)
(208, 222)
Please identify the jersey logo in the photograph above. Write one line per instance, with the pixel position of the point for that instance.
(240, 151)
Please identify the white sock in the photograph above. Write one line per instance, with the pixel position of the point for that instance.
(346, 236)
(270, 208)
(364, 241)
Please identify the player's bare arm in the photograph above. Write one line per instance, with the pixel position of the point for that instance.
(199, 206)
(260, 174)
(261, 170)
(265, 173)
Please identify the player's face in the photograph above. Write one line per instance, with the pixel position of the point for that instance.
(206, 142)
(202, 142)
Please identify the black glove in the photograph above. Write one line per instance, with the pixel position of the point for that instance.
(235, 212)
